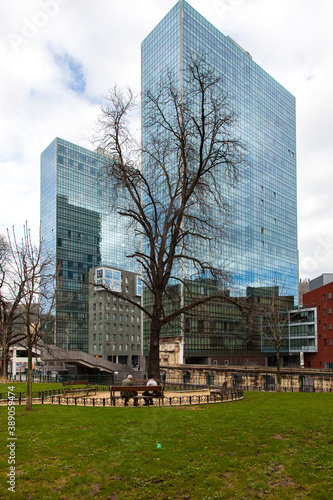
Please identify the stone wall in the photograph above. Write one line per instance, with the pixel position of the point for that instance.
(170, 348)
(253, 378)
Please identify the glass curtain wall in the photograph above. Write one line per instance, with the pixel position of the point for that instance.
(261, 245)
(81, 229)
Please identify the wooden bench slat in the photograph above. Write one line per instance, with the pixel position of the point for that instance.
(71, 387)
(136, 388)
(158, 389)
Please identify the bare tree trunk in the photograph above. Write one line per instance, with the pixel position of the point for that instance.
(154, 348)
(278, 374)
(4, 358)
(28, 405)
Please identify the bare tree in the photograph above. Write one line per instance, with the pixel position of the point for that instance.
(42, 295)
(32, 290)
(271, 316)
(175, 198)
(12, 289)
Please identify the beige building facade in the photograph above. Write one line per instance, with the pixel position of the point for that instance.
(115, 325)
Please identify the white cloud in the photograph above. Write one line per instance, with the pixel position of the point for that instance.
(40, 39)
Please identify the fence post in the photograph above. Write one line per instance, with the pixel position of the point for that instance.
(301, 383)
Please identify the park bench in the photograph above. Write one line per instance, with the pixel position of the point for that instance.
(78, 388)
(158, 392)
(219, 391)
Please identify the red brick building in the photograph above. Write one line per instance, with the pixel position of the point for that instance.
(321, 297)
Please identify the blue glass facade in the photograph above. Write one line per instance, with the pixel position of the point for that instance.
(80, 229)
(261, 249)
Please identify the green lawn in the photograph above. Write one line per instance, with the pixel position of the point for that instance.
(267, 446)
(22, 387)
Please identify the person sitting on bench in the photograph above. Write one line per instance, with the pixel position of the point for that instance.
(149, 400)
(130, 394)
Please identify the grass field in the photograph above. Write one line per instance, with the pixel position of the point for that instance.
(267, 446)
(36, 386)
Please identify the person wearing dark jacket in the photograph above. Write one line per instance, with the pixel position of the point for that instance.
(128, 394)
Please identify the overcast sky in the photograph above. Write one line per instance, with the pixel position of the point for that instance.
(59, 57)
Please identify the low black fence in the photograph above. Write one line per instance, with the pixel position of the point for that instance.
(169, 385)
(35, 395)
(259, 388)
(286, 389)
(98, 379)
(45, 394)
(120, 402)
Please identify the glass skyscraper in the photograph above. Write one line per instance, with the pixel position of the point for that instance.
(81, 230)
(261, 249)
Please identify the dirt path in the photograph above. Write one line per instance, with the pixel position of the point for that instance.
(168, 394)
